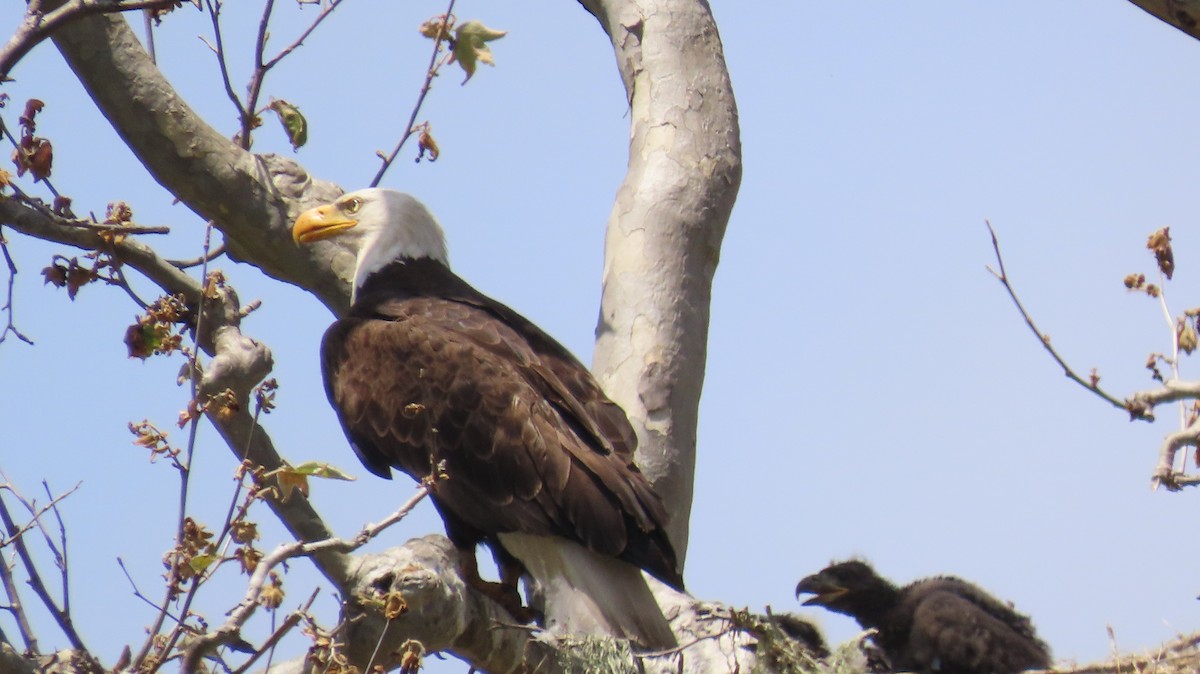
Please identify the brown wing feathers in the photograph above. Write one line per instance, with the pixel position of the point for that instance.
(530, 442)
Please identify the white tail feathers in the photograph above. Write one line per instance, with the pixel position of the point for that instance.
(588, 593)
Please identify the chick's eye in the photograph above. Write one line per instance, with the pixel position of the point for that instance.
(352, 206)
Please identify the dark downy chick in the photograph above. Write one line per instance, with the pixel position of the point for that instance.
(938, 625)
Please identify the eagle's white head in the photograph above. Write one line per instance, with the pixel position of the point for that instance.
(378, 226)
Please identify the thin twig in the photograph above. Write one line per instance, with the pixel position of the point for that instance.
(118, 278)
(35, 513)
(1140, 405)
(107, 229)
(254, 86)
(148, 23)
(39, 587)
(289, 623)
(216, 252)
(1044, 339)
(325, 12)
(189, 451)
(214, 13)
(10, 327)
(430, 73)
(261, 67)
(229, 632)
(138, 593)
(38, 26)
(60, 551)
(1174, 332)
(15, 606)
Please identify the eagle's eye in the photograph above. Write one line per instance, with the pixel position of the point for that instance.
(352, 205)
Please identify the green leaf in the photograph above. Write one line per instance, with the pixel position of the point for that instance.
(201, 562)
(294, 123)
(470, 45)
(320, 469)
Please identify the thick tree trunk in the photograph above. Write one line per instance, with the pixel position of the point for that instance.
(665, 231)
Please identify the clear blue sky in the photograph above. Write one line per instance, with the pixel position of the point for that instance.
(870, 390)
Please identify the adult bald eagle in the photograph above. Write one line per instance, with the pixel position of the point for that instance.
(425, 369)
(935, 626)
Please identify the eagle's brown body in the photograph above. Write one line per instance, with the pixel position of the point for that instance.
(428, 374)
(425, 369)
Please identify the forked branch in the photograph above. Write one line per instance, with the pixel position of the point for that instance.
(1140, 405)
(431, 72)
(230, 632)
(40, 23)
(1092, 383)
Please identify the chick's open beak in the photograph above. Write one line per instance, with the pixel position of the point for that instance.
(319, 223)
(825, 591)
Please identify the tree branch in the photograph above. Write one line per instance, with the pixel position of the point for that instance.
(253, 199)
(1140, 405)
(230, 632)
(10, 326)
(238, 362)
(39, 587)
(1182, 15)
(665, 231)
(430, 72)
(1091, 384)
(38, 26)
(667, 226)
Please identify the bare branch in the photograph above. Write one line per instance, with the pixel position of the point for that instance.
(185, 473)
(39, 587)
(1135, 411)
(42, 224)
(137, 592)
(1182, 15)
(252, 198)
(218, 47)
(430, 73)
(36, 513)
(15, 606)
(1165, 473)
(254, 87)
(215, 253)
(1140, 405)
(230, 632)
(38, 26)
(289, 623)
(10, 327)
(237, 362)
(325, 12)
(61, 551)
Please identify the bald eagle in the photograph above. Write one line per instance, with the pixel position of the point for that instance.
(938, 625)
(425, 370)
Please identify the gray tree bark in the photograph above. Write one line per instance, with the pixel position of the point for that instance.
(665, 231)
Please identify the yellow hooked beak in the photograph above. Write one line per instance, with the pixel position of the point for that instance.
(319, 223)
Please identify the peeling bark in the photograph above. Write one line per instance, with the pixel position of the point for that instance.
(665, 231)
